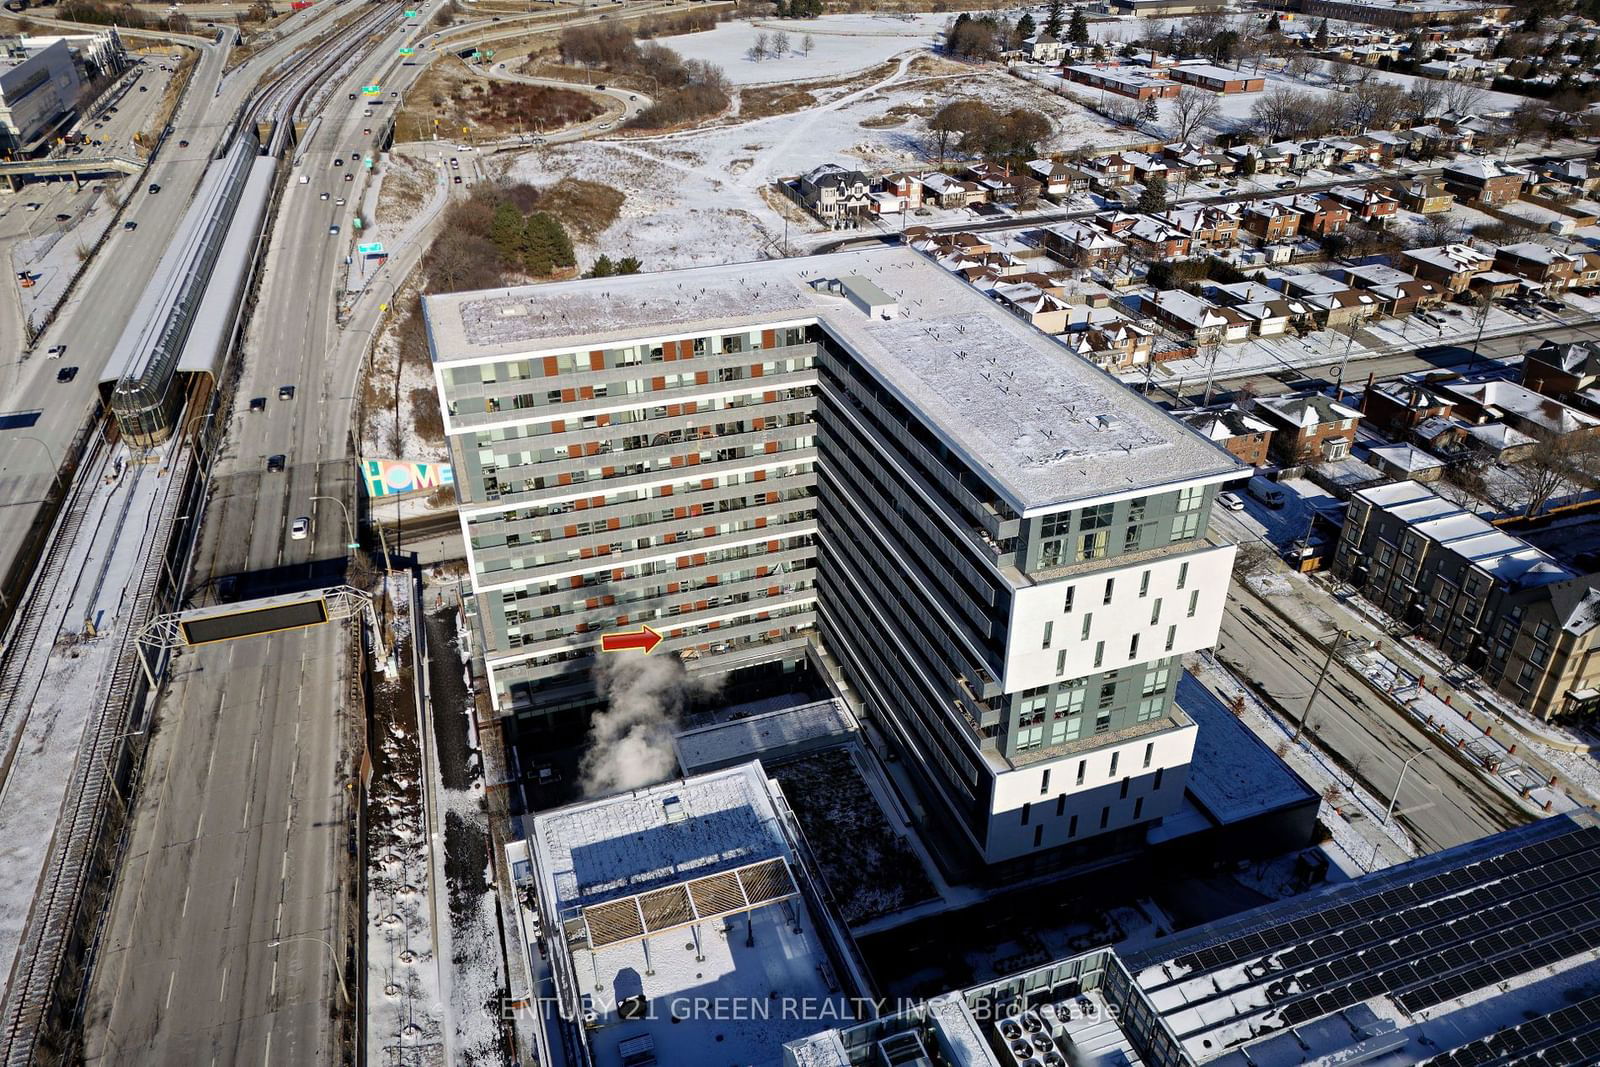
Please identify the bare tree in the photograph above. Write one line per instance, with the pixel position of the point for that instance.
(1558, 462)
(761, 48)
(807, 44)
(1438, 229)
(1302, 65)
(1274, 111)
(1192, 109)
(1464, 98)
(780, 44)
(1422, 100)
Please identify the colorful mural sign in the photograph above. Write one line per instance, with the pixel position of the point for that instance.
(396, 477)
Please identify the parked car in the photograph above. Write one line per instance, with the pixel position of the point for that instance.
(1231, 501)
(66, 374)
(1266, 492)
(300, 528)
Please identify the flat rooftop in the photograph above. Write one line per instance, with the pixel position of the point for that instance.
(713, 970)
(781, 731)
(1044, 427)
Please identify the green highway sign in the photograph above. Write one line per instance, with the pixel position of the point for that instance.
(408, 51)
(355, 223)
(375, 249)
(368, 162)
(372, 90)
(411, 14)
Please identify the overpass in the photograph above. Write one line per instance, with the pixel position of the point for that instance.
(76, 169)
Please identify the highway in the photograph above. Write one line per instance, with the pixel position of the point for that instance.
(204, 895)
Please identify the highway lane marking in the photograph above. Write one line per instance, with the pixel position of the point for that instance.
(185, 912)
(268, 1057)
(171, 981)
(234, 899)
(222, 987)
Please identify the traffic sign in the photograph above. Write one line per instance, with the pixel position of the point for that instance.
(374, 249)
(355, 223)
(368, 162)
(372, 90)
(408, 51)
(411, 14)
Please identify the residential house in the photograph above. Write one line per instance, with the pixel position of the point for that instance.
(1002, 185)
(1058, 180)
(1309, 427)
(1404, 460)
(1398, 292)
(1425, 196)
(1194, 317)
(1271, 220)
(1567, 371)
(1483, 180)
(1198, 162)
(1534, 414)
(1031, 303)
(1244, 435)
(1270, 311)
(1367, 204)
(837, 196)
(949, 192)
(1399, 407)
(1217, 79)
(1206, 227)
(1109, 171)
(1115, 345)
(1581, 174)
(1552, 269)
(1044, 48)
(897, 192)
(1320, 214)
(1454, 264)
(1154, 239)
(1081, 244)
(1146, 166)
(1495, 284)
(1384, 145)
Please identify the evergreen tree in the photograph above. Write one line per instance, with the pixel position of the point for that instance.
(1025, 27)
(1321, 39)
(629, 265)
(1153, 197)
(1273, 26)
(1078, 31)
(603, 268)
(506, 231)
(1053, 19)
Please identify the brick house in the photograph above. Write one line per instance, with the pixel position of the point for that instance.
(1309, 427)
(1563, 370)
(1367, 204)
(1453, 265)
(1119, 345)
(1244, 435)
(1058, 179)
(1217, 79)
(1271, 220)
(1425, 196)
(1398, 407)
(1483, 181)
(1549, 267)
(1081, 244)
(1320, 214)
(1154, 239)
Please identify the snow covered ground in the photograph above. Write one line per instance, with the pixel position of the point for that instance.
(842, 44)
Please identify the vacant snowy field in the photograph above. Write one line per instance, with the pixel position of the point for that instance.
(842, 44)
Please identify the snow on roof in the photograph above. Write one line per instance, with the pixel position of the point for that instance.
(1480, 169)
(1309, 409)
(1233, 775)
(1042, 426)
(1525, 404)
(749, 737)
(628, 843)
(1407, 458)
(1452, 258)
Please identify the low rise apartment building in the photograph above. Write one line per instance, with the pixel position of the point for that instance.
(1217, 79)
(1491, 601)
(1137, 83)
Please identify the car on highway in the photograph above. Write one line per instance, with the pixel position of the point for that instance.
(1231, 501)
(338, 161)
(324, 196)
(355, 157)
(455, 163)
(600, 88)
(285, 392)
(183, 144)
(458, 179)
(66, 374)
(334, 229)
(300, 528)
(349, 177)
(63, 217)
(340, 202)
(33, 207)
(275, 463)
(258, 403)
(56, 351)
(130, 225)
(144, 88)
(154, 188)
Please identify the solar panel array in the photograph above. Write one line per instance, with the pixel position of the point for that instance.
(1560, 1039)
(1427, 941)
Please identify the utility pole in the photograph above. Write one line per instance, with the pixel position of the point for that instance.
(1333, 646)
(1396, 798)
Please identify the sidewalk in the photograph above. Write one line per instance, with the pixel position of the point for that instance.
(1466, 721)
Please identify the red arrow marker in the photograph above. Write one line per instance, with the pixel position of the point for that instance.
(644, 638)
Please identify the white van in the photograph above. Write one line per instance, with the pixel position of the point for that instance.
(305, 179)
(1265, 491)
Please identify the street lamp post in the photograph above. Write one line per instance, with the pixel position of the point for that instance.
(338, 970)
(55, 469)
(1402, 781)
(349, 527)
(1333, 646)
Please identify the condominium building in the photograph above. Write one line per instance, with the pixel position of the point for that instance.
(1003, 548)
(1494, 603)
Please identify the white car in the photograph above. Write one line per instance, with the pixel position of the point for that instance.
(1231, 501)
(300, 528)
